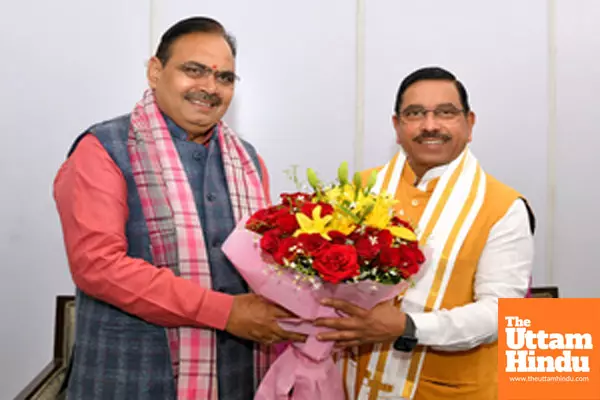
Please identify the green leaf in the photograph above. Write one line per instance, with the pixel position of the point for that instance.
(349, 213)
(292, 174)
(357, 185)
(367, 211)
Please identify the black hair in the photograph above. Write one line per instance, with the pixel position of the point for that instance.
(432, 73)
(192, 25)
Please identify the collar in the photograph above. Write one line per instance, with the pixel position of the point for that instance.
(179, 133)
(432, 174)
(427, 182)
(435, 173)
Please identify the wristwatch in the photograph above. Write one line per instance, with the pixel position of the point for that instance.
(408, 341)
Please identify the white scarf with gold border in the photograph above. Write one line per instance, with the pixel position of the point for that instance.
(442, 229)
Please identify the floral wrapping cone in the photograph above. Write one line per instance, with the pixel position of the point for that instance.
(339, 241)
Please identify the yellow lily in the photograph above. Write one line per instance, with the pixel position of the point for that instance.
(403, 233)
(381, 214)
(314, 225)
(379, 217)
(338, 194)
(341, 223)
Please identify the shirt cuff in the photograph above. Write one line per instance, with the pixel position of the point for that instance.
(216, 310)
(427, 327)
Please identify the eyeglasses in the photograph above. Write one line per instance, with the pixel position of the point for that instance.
(198, 71)
(417, 114)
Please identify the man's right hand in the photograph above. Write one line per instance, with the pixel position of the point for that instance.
(254, 318)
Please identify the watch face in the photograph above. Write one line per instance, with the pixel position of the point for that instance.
(405, 344)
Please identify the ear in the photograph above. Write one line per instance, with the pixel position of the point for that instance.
(396, 123)
(471, 118)
(153, 72)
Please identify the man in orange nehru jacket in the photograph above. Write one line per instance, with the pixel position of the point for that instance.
(440, 340)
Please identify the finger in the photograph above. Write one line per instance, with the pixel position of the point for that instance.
(279, 312)
(287, 335)
(338, 336)
(264, 338)
(295, 337)
(347, 343)
(345, 307)
(339, 324)
(272, 339)
(275, 340)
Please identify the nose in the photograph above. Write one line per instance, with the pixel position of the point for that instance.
(209, 83)
(430, 123)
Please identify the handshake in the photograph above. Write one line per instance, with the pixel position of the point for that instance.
(254, 318)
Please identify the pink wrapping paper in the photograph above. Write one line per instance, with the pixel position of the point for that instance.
(308, 367)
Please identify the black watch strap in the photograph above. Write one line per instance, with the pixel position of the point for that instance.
(408, 341)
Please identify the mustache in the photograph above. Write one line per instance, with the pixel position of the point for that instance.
(432, 135)
(212, 99)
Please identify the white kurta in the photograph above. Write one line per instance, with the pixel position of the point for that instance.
(503, 270)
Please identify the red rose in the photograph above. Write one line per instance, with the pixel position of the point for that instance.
(258, 222)
(269, 242)
(369, 230)
(390, 257)
(412, 258)
(295, 199)
(312, 244)
(367, 247)
(413, 254)
(307, 209)
(276, 213)
(409, 269)
(265, 219)
(400, 222)
(287, 223)
(356, 234)
(400, 256)
(337, 237)
(371, 241)
(414, 244)
(385, 238)
(286, 249)
(337, 263)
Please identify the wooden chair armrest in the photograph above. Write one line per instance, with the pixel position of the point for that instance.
(40, 379)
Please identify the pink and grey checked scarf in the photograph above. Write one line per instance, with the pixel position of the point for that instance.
(176, 233)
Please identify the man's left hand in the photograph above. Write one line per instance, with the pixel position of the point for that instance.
(385, 322)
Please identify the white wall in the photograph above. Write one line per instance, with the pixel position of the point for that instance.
(63, 67)
(576, 152)
(295, 60)
(498, 51)
(310, 72)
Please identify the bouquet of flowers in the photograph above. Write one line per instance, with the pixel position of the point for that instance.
(338, 241)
